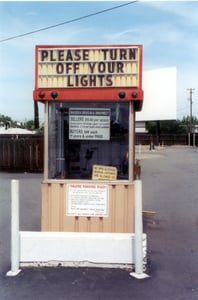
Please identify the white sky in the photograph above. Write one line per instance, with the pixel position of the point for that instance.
(167, 30)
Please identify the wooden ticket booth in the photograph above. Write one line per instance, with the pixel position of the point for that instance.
(90, 96)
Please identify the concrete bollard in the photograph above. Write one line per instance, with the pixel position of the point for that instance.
(139, 274)
(15, 241)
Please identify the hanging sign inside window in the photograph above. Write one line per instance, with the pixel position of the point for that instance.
(91, 200)
(89, 124)
(101, 172)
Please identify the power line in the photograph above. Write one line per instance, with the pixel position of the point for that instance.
(67, 22)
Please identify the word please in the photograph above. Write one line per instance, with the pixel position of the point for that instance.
(84, 54)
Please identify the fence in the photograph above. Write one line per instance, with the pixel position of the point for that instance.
(25, 153)
(165, 139)
(21, 153)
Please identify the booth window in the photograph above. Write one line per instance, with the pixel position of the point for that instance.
(83, 134)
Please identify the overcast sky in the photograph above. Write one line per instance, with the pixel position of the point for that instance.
(167, 30)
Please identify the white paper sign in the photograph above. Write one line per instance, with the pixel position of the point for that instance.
(89, 124)
(87, 200)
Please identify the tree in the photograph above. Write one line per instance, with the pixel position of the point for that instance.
(5, 121)
(29, 124)
(166, 127)
(186, 120)
(172, 126)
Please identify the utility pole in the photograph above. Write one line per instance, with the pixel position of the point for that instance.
(191, 92)
(36, 115)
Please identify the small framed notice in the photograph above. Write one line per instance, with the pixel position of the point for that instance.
(91, 200)
(101, 172)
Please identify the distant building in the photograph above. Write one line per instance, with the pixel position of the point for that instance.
(15, 131)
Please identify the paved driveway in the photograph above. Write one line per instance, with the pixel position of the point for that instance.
(170, 188)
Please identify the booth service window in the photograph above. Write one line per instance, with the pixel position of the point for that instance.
(83, 135)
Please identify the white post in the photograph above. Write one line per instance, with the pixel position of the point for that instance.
(140, 149)
(15, 243)
(194, 139)
(188, 139)
(138, 232)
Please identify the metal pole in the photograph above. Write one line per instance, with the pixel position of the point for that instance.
(138, 232)
(30, 156)
(190, 111)
(189, 139)
(15, 242)
(46, 140)
(194, 136)
(191, 92)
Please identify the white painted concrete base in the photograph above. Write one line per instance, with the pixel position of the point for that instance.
(139, 276)
(13, 273)
(74, 248)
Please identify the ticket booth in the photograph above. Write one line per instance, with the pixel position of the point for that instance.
(90, 96)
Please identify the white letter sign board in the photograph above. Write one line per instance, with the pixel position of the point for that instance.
(87, 200)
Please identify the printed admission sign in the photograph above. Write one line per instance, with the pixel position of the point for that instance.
(89, 124)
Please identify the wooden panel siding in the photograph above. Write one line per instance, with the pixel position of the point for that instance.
(121, 210)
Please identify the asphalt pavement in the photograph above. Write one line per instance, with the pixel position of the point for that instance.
(170, 190)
